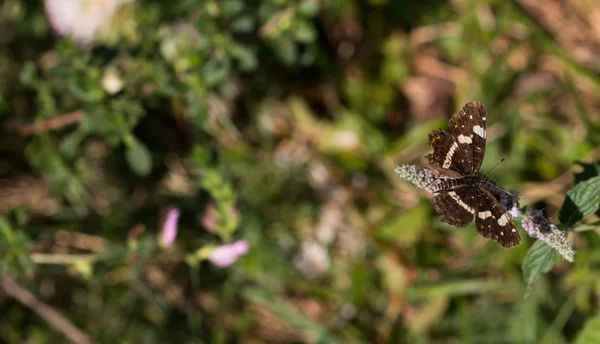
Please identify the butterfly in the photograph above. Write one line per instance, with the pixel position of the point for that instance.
(460, 193)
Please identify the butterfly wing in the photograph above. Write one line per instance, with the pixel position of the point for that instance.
(448, 158)
(492, 221)
(457, 205)
(460, 151)
(468, 127)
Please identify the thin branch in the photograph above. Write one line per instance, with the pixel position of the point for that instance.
(50, 124)
(54, 318)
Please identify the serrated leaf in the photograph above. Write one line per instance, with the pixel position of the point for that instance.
(582, 201)
(139, 159)
(589, 171)
(539, 260)
(590, 334)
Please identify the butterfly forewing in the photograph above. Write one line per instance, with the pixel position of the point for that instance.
(446, 157)
(456, 205)
(492, 221)
(460, 151)
(468, 127)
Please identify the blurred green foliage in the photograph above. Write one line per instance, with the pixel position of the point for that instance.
(281, 122)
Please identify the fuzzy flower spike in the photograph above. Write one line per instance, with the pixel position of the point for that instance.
(533, 221)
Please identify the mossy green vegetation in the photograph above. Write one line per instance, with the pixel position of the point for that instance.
(264, 135)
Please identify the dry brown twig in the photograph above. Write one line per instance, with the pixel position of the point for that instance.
(55, 319)
(50, 124)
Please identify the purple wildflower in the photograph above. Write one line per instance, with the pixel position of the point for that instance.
(208, 220)
(538, 226)
(169, 229)
(225, 255)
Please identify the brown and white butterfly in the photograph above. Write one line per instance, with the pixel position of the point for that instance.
(460, 193)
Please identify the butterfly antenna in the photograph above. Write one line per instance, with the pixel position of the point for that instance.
(491, 169)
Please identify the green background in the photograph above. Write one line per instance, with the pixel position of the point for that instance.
(293, 113)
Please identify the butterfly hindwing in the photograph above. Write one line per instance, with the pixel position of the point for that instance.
(468, 127)
(492, 221)
(457, 205)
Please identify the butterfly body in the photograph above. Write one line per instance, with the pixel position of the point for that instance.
(460, 194)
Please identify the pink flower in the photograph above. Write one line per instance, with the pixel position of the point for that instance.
(80, 19)
(225, 255)
(169, 229)
(210, 215)
(208, 221)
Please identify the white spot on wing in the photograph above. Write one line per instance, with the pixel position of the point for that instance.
(484, 214)
(464, 139)
(449, 155)
(460, 202)
(503, 220)
(479, 131)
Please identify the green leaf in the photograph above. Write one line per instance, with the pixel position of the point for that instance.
(28, 74)
(539, 260)
(231, 7)
(243, 24)
(139, 159)
(309, 8)
(304, 32)
(582, 201)
(244, 56)
(589, 171)
(216, 71)
(590, 334)
(71, 144)
(285, 50)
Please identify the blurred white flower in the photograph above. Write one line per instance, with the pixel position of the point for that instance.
(312, 261)
(80, 19)
(346, 139)
(112, 81)
(225, 255)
